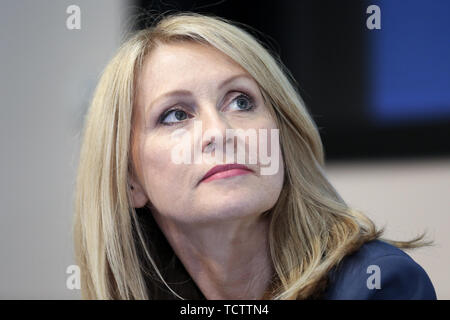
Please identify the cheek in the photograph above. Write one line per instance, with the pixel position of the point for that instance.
(268, 138)
(270, 186)
(273, 163)
(160, 173)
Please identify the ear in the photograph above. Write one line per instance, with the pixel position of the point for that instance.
(138, 195)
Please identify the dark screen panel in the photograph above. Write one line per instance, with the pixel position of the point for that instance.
(344, 70)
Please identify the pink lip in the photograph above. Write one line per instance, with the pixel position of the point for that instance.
(225, 171)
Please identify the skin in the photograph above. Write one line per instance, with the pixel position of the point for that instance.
(216, 228)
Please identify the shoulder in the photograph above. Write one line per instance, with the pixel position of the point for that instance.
(379, 270)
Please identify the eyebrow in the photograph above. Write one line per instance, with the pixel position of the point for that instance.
(181, 93)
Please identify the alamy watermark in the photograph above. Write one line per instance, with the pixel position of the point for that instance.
(73, 21)
(374, 20)
(257, 147)
(73, 281)
(374, 280)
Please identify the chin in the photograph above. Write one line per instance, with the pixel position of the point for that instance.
(233, 205)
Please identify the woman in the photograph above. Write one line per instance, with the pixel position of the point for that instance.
(152, 223)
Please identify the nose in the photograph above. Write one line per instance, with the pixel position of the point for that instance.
(214, 127)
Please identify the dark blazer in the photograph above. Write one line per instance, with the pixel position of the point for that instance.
(400, 277)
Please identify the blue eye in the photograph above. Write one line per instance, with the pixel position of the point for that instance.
(243, 102)
(173, 116)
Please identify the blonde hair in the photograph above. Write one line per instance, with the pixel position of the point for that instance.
(311, 230)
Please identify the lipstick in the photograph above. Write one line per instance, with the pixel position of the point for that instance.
(225, 171)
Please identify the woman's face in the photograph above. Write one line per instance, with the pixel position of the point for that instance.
(183, 87)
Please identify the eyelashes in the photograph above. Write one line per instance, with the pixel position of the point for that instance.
(248, 98)
(179, 114)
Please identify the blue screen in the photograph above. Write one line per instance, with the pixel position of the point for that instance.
(410, 64)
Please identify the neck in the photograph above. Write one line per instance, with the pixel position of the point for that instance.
(227, 260)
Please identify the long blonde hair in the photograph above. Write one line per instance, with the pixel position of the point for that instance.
(121, 257)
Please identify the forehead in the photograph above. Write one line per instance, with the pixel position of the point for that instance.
(184, 65)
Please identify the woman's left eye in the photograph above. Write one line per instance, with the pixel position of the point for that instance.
(243, 102)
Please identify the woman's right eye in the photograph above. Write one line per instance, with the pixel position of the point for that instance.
(173, 116)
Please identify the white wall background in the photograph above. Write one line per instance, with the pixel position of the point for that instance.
(47, 77)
